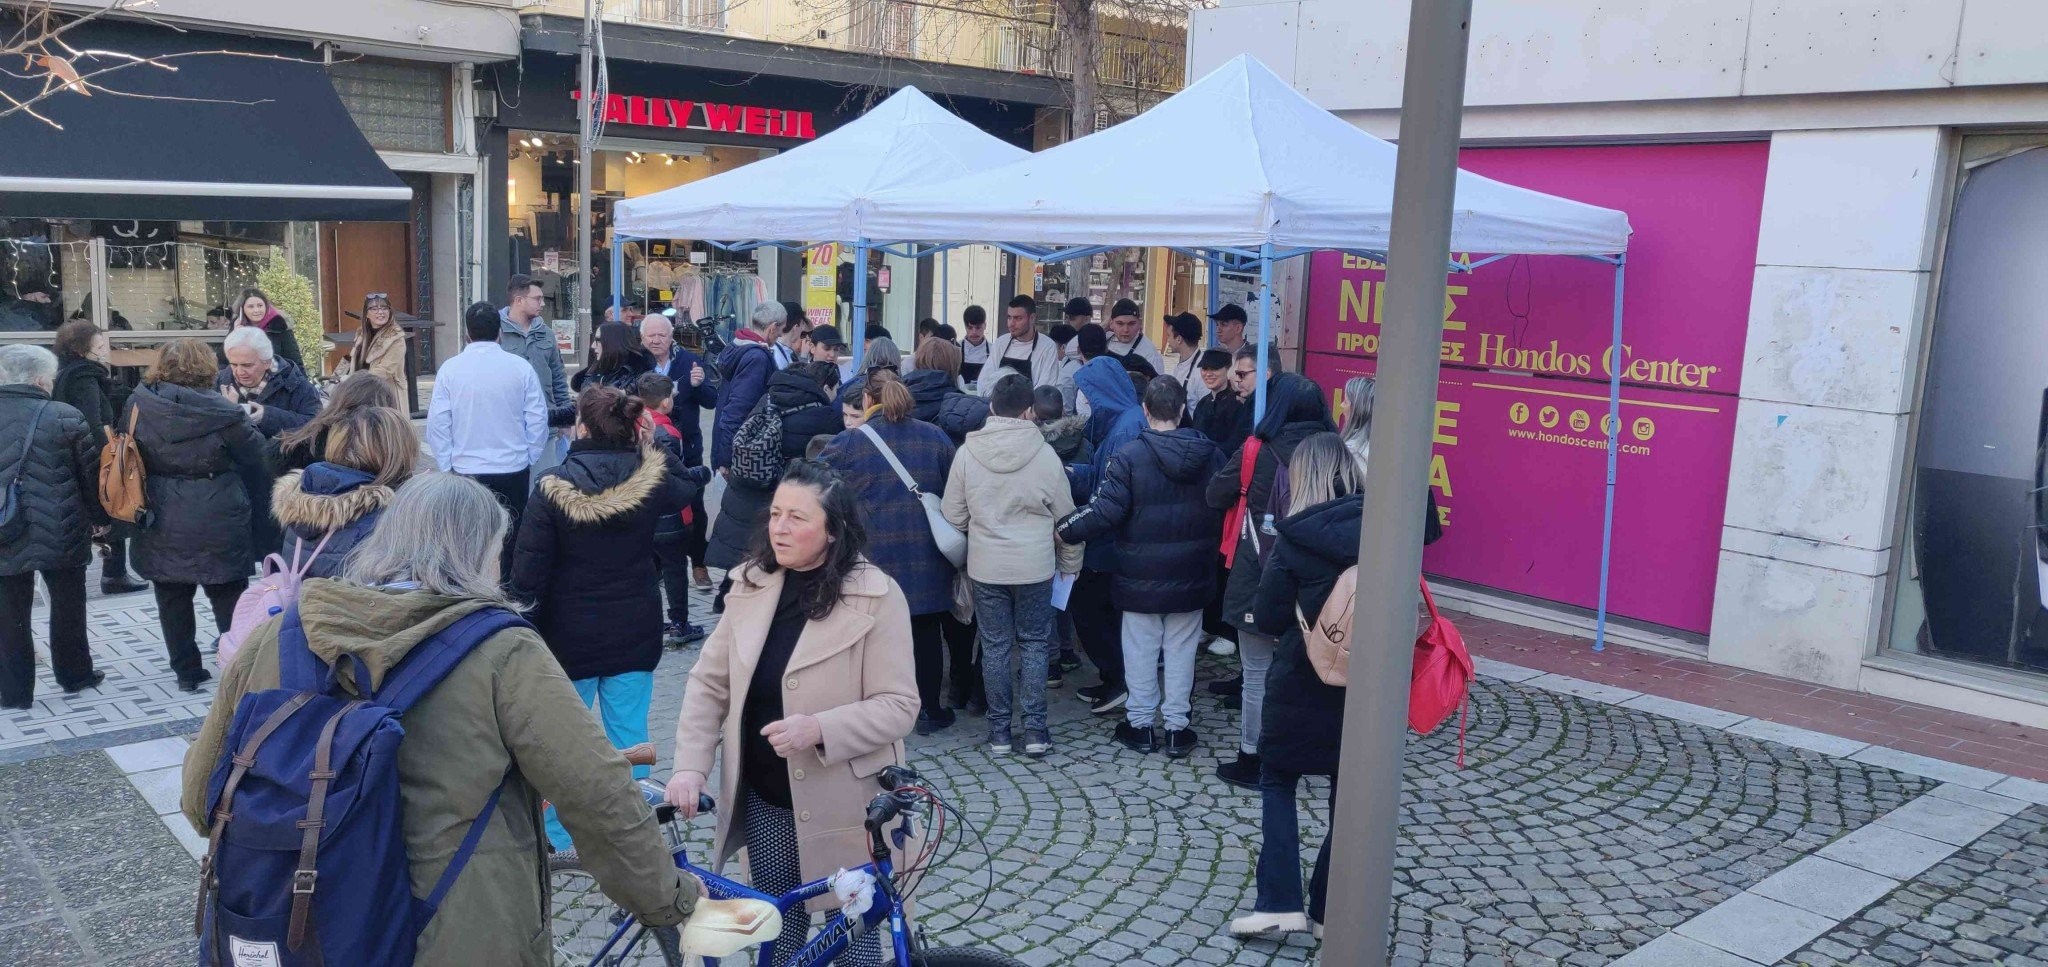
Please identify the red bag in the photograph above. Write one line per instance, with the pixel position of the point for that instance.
(1443, 675)
(1233, 519)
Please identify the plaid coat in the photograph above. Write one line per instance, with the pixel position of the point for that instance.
(899, 540)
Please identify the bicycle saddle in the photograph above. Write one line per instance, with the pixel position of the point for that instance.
(722, 928)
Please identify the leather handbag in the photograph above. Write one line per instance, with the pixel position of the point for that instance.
(952, 542)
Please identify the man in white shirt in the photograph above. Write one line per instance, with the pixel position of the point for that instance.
(974, 346)
(1229, 321)
(1127, 335)
(1022, 349)
(1184, 340)
(489, 418)
(787, 346)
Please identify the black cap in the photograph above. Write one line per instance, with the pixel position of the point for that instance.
(1078, 306)
(1123, 307)
(827, 336)
(1231, 312)
(1214, 359)
(1061, 334)
(1094, 341)
(1187, 326)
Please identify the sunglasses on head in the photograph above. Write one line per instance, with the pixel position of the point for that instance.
(378, 295)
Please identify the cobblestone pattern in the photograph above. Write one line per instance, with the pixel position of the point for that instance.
(87, 873)
(1984, 905)
(1576, 832)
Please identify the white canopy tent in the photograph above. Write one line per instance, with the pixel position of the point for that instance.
(818, 192)
(1239, 159)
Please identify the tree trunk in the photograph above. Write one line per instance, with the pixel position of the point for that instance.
(1078, 37)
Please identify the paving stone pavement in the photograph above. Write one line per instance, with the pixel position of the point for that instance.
(1984, 905)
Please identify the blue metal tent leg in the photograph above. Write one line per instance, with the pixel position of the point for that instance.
(1265, 330)
(858, 337)
(1215, 297)
(618, 277)
(1613, 458)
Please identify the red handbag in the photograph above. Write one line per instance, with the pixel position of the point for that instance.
(1233, 519)
(1442, 677)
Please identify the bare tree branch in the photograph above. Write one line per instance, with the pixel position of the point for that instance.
(48, 57)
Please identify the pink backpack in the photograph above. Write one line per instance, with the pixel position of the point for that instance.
(274, 590)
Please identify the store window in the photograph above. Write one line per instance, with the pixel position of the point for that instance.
(1973, 577)
(153, 276)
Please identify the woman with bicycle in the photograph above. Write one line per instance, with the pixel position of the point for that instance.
(809, 681)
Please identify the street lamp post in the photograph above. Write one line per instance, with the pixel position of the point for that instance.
(586, 129)
(1366, 823)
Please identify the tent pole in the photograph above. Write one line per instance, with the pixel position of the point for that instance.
(1265, 331)
(618, 277)
(858, 337)
(1215, 283)
(1365, 823)
(945, 288)
(1613, 458)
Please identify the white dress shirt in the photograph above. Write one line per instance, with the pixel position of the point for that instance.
(488, 414)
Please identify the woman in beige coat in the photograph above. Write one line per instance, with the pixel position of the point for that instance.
(380, 343)
(809, 678)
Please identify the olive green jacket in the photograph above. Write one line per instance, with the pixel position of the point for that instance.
(507, 704)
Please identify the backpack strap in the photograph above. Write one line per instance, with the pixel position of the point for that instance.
(466, 850)
(223, 811)
(431, 660)
(297, 668)
(27, 445)
(306, 878)
(298, 543)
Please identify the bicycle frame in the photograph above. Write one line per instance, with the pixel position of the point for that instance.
(831, 941)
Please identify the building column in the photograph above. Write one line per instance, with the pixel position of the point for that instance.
(1844, 262)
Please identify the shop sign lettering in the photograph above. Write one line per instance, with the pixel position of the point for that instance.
(669, 112)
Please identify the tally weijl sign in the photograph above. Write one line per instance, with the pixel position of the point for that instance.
(687, 115)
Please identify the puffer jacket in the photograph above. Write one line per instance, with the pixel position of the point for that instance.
(1007, 490)
(505, 713)
(1151, 503)
(1224, 418)
(1303, 718)
(584, 558)
(899, 537)
(1295, 411)
(288, 399)
(1114, 419)
(1068, 436)
(744, 506)
(941, 403)
(328, 500)
(197, 448)
(59, 473)
(744, 369)
(86, 385)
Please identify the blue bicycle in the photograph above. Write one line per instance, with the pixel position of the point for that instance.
(588, 929)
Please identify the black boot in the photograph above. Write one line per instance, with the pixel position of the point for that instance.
(114, 577)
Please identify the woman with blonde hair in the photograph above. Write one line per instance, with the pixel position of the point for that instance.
(333, 505)
(197, 448)
(301, 448)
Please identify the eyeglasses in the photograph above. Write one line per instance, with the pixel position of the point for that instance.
(377, 295)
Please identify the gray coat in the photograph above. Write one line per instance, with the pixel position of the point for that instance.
(59, 482)
(193, 444)
(537, 346)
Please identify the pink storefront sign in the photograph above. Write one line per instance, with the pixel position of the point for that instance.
(1520, 454)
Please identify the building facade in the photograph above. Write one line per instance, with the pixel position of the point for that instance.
(1834, 414)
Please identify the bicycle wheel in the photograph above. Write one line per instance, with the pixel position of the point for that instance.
(963, 957)
(583, 919)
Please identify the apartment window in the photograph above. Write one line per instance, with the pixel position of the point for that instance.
(691, 14)
(883, 27)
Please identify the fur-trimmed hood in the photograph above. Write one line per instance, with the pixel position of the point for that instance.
(1065, 434)
(599, 483)
(326, 497)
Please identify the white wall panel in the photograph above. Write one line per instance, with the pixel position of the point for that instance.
(2002, 42)
(1265, 31)
(1794, 620)
(1801, 46)
(1851, 199)
(1831, 337)
(1816, 473)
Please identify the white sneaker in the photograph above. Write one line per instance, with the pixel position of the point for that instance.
(1268, 924)
(1316, 929)
(1220, 645)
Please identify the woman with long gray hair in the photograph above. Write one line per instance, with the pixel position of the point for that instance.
(505, 718)
(1356, 419)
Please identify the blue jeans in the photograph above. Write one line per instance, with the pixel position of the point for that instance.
(1279, 870)
(1016, 639)
(621, 702)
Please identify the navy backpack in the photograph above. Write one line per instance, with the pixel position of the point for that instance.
(306, 863)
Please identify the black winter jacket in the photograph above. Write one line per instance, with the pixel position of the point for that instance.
(196, 450)
(322, 500)
(585, 556)
(1303, 717)
(1151, 499)
(1295, 411)
(59, 473)
(1225, 419)
(941, 403)
(744, 369)
(744, 505)
(289, 401)
(89, 388)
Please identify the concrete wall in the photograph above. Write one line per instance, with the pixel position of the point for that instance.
(444, 30)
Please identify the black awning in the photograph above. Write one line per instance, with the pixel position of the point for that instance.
(257, 135)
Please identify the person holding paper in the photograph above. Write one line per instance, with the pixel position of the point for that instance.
(1005, 489)
(1150, 500)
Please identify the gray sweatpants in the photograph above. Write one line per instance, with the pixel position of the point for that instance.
(1146, 638)
(1255, 656)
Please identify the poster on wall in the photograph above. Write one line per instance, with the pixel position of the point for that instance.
(1519, 467)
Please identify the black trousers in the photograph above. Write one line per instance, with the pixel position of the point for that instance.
(672, 565)
(1099, 625)
(1212, 614)
(963, 645)
(114, 563)
(181, 625)
(511, 489)
(696, 533)
(938, 640)
(70, 659)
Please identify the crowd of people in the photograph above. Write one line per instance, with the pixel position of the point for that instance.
(941, 535)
